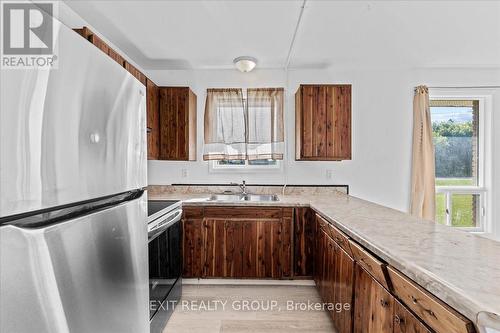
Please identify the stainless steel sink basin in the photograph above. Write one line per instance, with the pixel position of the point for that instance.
(226, 197)
(261, 197)
(242, 197)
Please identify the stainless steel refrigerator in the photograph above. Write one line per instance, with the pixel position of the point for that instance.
(73, 220)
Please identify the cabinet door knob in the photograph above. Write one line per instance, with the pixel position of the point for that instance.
(414, 300)
(398, 320)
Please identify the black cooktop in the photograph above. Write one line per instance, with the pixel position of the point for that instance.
(154, 206)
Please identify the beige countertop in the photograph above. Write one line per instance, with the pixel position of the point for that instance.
(460, 268)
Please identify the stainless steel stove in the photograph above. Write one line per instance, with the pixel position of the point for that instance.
(165, 260)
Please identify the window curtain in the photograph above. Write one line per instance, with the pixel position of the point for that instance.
(423, 187)
(225, 125)
(265, 123)
(235, 130)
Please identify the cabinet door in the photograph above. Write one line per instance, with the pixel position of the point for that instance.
(253, 251)
(233, 244)
(222, 248)
(307, 99)
(338, 122)
(266, 248)
(214, 242)
(174, 120)
(406, 322)
(192, 247)
(303, 235)
(373, 308)
(343, 289)
(286, 245)
(323, 122)
(330, 266)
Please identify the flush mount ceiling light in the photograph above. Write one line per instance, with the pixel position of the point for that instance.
(245, 64)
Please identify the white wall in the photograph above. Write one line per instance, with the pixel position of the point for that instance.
(382, 127)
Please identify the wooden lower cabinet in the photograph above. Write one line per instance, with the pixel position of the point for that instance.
(365, 296)
(248, 244)
(334, 276)
(373, 305)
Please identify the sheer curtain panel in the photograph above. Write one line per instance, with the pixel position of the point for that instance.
(225, 125)
(265, 137)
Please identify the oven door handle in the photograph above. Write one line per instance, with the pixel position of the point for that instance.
(164, 223)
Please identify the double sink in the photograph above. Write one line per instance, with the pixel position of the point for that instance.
(243, 197)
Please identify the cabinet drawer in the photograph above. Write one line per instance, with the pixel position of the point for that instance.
(341, 239)
(243, 212)
(371, 264)
(436, 314)
(322, 224)
(192, 212)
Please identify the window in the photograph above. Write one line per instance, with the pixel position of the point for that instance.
(459, 160)
(244, 133)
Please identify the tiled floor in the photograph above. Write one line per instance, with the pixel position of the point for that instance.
(210, 309)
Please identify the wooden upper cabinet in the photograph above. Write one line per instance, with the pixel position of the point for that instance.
(323, 122)
(153, 120)
(177, 124)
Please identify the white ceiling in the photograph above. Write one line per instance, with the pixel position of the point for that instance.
(209, 34)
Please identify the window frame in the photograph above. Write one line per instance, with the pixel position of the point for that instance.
(481, 188)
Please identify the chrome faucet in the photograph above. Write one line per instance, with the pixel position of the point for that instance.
(242, 186)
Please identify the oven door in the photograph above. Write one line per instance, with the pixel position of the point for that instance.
(165, 263)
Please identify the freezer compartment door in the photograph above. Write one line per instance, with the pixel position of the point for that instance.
(89, 274)
(71, 133)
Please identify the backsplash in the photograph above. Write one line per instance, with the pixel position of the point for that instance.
(253, 189)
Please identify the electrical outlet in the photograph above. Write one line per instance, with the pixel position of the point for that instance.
(328, 174)
(184, 173)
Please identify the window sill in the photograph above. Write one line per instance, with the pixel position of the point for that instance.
(487, 235)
